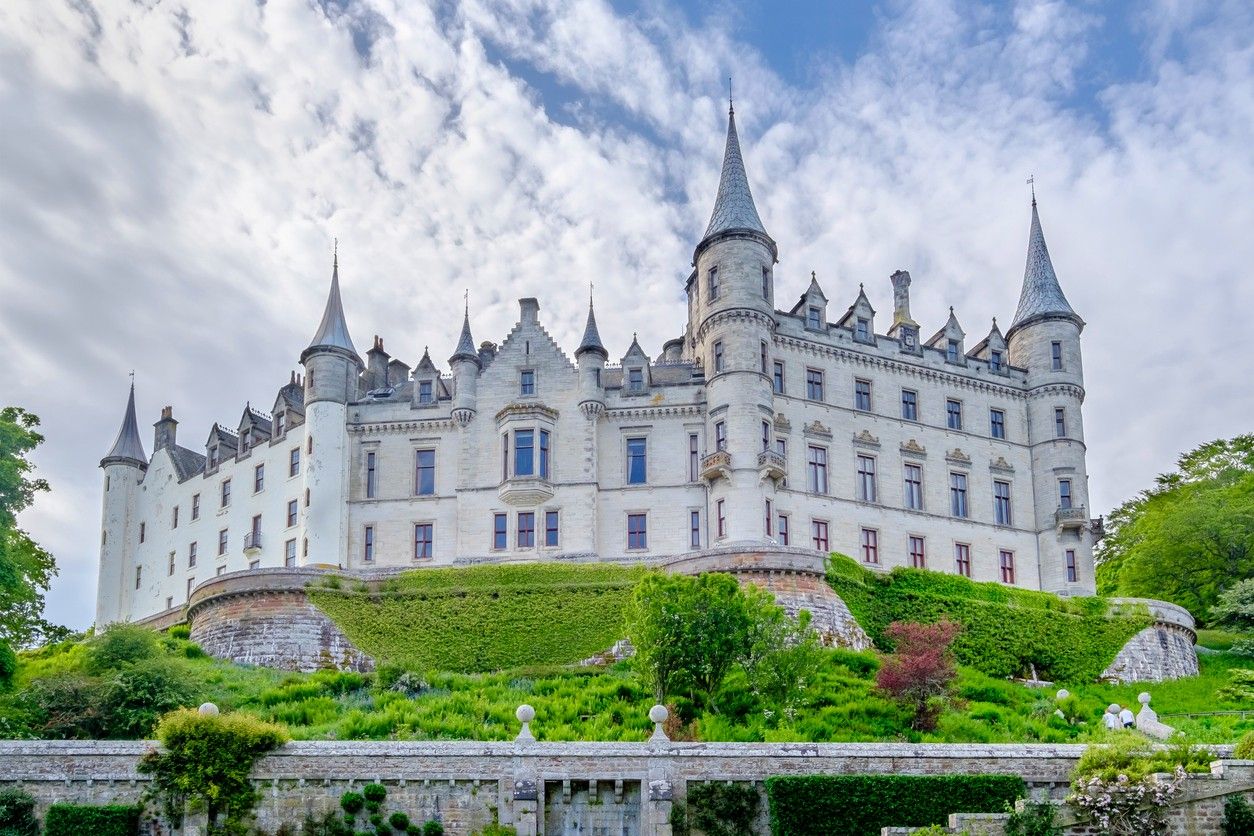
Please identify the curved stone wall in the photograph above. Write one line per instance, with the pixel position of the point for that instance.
(1164, 650)
(263, 617)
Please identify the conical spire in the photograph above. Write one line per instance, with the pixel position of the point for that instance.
(733, 207)
(591, 337)
(127, 448)
(1041, 294)
(466, 343)
(333, 330)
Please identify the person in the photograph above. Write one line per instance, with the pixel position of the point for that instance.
(1126, 718)
(1111, 717)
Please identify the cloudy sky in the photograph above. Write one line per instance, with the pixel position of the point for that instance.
(172, 175)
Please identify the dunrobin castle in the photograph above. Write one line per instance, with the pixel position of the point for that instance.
(790, 428)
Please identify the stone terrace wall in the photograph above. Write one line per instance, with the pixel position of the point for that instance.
(1164, 650)
(537, 787)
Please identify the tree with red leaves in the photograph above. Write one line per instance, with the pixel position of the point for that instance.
(921, 670)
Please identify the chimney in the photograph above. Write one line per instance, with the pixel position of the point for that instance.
(378, 359)
(901, 298)
(165, 430)
(529, 310)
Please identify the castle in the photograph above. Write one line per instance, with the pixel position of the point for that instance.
(802, 428)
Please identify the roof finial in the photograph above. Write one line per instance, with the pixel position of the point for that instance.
(813, 277)
(731, 107)
(335, 254)
(132, 378)
(1032, 184)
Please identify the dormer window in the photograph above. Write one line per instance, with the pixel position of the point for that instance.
(527, 382)
(994, 361)
(951, 351)
(425, 392)
(713, 284)
(279, 423)
(814, 317)
(246, 440)
(213, 456)
(635, 380)
(862, 330)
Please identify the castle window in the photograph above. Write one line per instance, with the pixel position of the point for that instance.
(862, 331)
(293, 462)
(372, 474)
(1073, 573)
(866, 478)
(1055, 355)
(291, 513)
(768, 518)
(962, 559)
(143, 530)
(816, 467)
(1007, 566)
(171, 568)
(190, 583)
(958, 494)
(309, 446)
(551, 532)
(994, 361)
(524, 452)
(1060, 422)
(544, 454)
(766, 283)
(306, 497)
(226, 492)
(191, 555)
(107, 481)
(952, 351)
(862, 395)
(694, 458)
(814, 318)
(637, 461)
(425, 392)
(424, 472)
(635, 380)
(913, 493)
(367, 553)
(259, 478)
(997, 423)
(527, 382)
(500, 536)
(778, 381)
(909, 405)
(713, 274)
(718, 355)
(694, 529)
(722, 519)
(246, 440)
(423, 540)
(526, 535)
(818, 535)
(1001, 503)
(195, 506)
(918, 554)
(255, 534)
(766, 435)
(169, 602)
(139, 574)
(174, 517)
(637, 531)
(762, 356)
(781, 529)
(1064, 494)
(280, 423)
(289, 553)
(213, 457)
(814, 384)
(222, 542)
(870, 546)
(953, 414)
(221, 570)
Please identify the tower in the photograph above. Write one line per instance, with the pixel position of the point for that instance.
(1045, 339)
(332, 369)
(124, 467)
(732, 325)
(466, 366)
(591, 357)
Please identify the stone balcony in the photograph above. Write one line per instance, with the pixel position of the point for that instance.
(525, 490)
(252, 542)
(1075, 518)
(715, 465)
(772, 465)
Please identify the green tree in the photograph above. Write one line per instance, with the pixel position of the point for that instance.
(25, 569)
(1191, 535)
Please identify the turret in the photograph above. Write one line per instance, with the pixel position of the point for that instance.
(591, 357)
(1045, 339)
(124, 467)
(332, 370)
(466, 365)
(732, 323)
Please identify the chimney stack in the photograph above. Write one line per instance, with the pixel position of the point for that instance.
(165, 431)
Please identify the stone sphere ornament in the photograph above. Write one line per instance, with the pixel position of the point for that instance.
(1143, 698)
(208, 709)
(525, 715)
(658, 715)
(1063, 693)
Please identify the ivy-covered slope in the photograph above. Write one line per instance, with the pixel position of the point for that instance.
(1005, 631)
(485, 618)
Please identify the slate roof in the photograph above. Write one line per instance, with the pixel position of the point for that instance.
(591, 336)
(733, 207)
(1041, 294)
(127, 447)
(333, 330)
(187, 463)
(466, 343)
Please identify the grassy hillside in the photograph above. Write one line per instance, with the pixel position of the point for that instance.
(484, 618)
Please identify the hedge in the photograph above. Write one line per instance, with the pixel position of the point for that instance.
(859, 805)
(97, 820)
(1006, 630)
(485, 618)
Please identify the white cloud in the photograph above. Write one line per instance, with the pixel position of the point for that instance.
(170, 181)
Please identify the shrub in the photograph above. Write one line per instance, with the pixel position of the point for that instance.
(433, 828)
(329, 825)
(119, 645)
(399, 820)
(1245, 747)
(1242, 647)
(723, 809)
(1135, 758)
(8, 666)
(98, 820)
(17, 813)
(180, 631)
(374, 792)
(352, 802)
(206, 763)
(921, 672)
(1005, 631)
(1035, 819)
(1235, 606)
(1238, 817)
(859, 805)
(65, 706)
(133, 699)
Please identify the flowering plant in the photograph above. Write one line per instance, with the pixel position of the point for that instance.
(1121, 807)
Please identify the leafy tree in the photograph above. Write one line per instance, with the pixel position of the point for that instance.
(17, 813)
(25, 569)
(1235, 607)
(1191, 535)
(784, 655)
(921, 671)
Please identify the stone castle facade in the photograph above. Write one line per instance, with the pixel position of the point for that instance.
(802, 427)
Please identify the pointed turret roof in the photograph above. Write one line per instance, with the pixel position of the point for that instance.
(466, 343)
(591, 337)
(1041, 295)
(733, 207)
(127, 448)
(333, 330)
